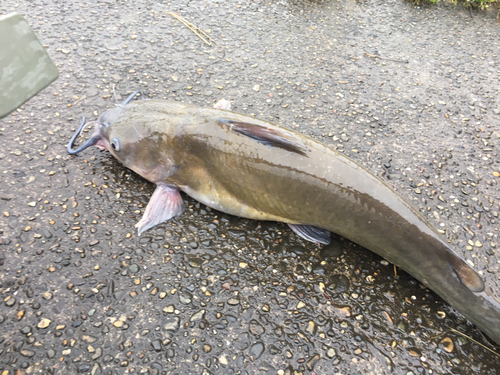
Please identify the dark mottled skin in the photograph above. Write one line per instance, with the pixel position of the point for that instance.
(191, 148)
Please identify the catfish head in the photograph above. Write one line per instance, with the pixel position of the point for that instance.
(127, 136)
(126, 133)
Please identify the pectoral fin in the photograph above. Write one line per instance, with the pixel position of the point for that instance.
(312, 233)
(165, 203)
(269, 135)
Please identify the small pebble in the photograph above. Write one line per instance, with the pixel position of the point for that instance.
(47, 296)
(195, 262)
(185, 298)
(27, 353)
(256, 350)
(44, 323)
(133, 268)
(169, 309)
(198, 315)
(448, 344)
(256, 328)
(156, 344)
(172, 324)
(330, 353)
(312, 362)
(311, 327)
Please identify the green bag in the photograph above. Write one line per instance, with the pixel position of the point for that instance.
(25, 66)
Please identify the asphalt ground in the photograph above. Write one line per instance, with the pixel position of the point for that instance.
(410, 93)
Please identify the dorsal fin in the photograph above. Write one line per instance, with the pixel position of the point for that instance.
(270, 136)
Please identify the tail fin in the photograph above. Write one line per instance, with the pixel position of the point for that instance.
(466, 274)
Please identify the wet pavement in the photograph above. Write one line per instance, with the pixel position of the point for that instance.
(410, 93)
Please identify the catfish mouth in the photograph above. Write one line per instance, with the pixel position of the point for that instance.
(95, 139)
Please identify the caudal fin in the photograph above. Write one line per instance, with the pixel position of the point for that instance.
(466, 274)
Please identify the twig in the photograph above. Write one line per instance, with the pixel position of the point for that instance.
(395, 270)
(463, 334)
(79, 100)
(194, 29)
(470, 338)
(383, 58)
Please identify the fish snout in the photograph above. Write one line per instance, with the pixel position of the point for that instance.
(95, 139)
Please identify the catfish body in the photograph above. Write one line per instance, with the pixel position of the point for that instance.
(251, 168)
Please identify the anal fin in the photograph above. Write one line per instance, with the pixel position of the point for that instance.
(312, 233)
(165, 203)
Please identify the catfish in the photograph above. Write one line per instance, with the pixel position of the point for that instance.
(254, 169)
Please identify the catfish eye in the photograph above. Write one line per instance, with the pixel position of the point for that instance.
(115, 144)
